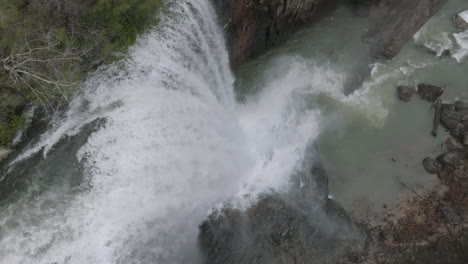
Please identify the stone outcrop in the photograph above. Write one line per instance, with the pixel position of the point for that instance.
(430, 92)
(299, 227)
(253, 26)
(459, 20)
(405, 93)
(394, 22)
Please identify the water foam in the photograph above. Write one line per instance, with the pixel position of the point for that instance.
(169, 150)
(174, 145)
(462, 41)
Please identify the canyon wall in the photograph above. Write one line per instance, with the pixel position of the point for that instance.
(254, 26)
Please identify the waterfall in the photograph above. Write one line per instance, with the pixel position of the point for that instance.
(173, 144)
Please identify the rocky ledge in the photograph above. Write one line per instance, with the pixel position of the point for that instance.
(301, 226)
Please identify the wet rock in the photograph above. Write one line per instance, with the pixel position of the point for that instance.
(458, 130)
(446, 53)
(289, 228)
(430, 92)
(436, 121)
(427, 50)
(459, 22)
(4, 152)
(451, 117)
(454, 157)
(450, 215)
(448, 158)
(461, 106)
(394, 22)
(460, 174)
(465, 139)
(405, 93)
(275, 232)
(451, 143)
(432, 165)
(252, 26)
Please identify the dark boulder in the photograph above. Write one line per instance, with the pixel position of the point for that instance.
(430, 92)
(451, 143)
(405, 93)
(450, 215)
(294, 227)
(274, 231)
(459, 22)
(464, 139)
(461, 106)
(432, 165)
(453, 114)
(453, 158)
(459, 130)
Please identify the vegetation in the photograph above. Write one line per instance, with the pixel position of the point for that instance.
(48, 46)
(8, 130)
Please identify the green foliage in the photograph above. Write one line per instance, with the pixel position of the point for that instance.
(48, 46)
(8, 129)
(123, 20)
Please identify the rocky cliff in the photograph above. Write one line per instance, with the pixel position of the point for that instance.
(394, 22)
(253, 26)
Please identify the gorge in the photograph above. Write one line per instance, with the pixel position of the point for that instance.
(204, 147)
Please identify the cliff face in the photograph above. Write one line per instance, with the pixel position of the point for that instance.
(394, 22)
(253, 26)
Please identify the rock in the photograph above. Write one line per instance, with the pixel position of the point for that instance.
(458, 130)
(454, 157)
(430, 92)
(460, 174)
(451, 116)
(446, 53)
(459, 22)
(461, 106)
(451, 143)
(289, 228)
(432, 165)
(253, 26)
(450, 215)
(448, 158)
(405, 93)
(465, 139)
(276, 232)
(394, 22)
(436, 121)
(4, 152)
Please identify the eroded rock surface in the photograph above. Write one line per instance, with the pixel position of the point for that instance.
(299, 227)
(253, 26)
(430, 92)
(394, 22)
(405, 93)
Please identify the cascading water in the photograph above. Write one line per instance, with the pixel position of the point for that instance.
(174, 144)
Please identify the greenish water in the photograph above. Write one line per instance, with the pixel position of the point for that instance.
(372, 144)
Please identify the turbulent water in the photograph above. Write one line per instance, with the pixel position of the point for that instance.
(153, 143)
(149, 147)
(371, 143)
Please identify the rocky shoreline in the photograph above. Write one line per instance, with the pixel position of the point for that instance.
(433, 227)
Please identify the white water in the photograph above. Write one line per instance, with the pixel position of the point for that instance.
(175, 144)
